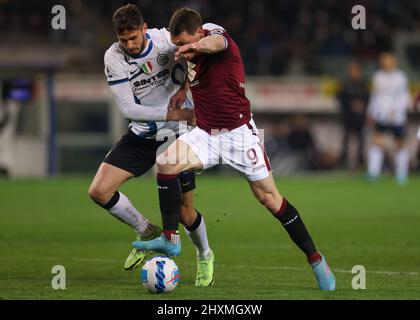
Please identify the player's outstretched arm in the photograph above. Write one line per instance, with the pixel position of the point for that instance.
(208, 45)
(131, 110)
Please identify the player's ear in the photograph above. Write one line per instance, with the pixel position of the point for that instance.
(144, 28)
(200, 32)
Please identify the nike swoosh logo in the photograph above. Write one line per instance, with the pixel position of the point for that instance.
(140, 70)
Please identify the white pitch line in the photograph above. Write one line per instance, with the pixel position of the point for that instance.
(69, 258)
(391, 273)
(292, 247)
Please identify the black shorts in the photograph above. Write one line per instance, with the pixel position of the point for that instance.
(397, 131)
(137, 155)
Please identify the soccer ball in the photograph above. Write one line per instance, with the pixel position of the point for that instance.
(160, 274)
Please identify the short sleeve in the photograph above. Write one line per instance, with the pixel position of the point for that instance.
(114, 69)
(167, 36)
(216, 30)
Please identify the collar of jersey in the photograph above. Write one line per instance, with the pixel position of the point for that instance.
(144, 53)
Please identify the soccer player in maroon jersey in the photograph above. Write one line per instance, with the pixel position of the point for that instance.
(225, 133)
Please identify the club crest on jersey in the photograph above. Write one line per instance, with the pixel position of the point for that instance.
(162, 59)
(147, 67)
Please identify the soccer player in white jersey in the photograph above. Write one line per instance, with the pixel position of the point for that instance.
(142, 76)
(387, 112)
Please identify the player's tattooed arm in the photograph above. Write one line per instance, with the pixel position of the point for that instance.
(211, 44)
(208, 45)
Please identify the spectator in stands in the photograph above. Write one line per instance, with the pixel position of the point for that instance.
(301, 143)
(353, 99)
(302, 31)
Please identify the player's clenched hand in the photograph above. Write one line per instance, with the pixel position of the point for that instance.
(177, 100)
(186, 51)
(192, 121)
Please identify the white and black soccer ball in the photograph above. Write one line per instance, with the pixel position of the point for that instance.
(160, 274)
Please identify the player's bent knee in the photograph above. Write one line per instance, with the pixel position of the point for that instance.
(98, 195)
(269, 201)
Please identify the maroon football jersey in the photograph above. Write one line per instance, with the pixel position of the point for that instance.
(217, 85)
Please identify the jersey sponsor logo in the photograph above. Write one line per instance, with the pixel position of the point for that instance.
(156, 80)
(162, 59)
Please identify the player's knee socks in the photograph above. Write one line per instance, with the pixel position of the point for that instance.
(292, 222)
(169, 191)
(402, 162)
(375, 159)
(122, 209)
(198, 235)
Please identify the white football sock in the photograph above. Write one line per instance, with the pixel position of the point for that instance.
(124, 211)
(402, 162)
(375, 160)
(199, 239)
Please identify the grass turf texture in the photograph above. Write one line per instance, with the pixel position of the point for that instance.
(53, 222)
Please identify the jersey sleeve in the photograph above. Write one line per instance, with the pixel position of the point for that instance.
(114, 70)
(123, 96)
(166, 36)
(403, 94)
(216, 30)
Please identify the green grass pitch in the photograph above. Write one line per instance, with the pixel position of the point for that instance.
(53, 222)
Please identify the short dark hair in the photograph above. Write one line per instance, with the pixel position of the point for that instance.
(185, 19)
(127, 17)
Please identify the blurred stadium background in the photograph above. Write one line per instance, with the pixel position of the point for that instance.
(57, 115)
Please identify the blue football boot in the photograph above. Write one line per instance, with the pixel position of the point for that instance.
(324, 275)
(161, 244)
